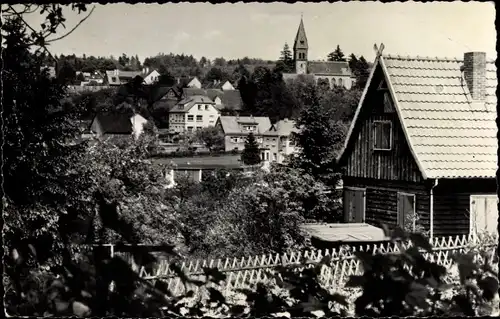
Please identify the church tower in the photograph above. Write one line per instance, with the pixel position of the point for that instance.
(300, 49)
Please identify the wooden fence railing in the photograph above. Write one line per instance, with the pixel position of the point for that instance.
(246, 271)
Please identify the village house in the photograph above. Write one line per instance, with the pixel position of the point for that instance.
(229, 100)
(277, 142)
(192, 113)
(151, 77)
(423, 144)
(193, 83)
(220, 85)
(117, 125)
(334, 73)
(237, 128)
(119, 77)
(91, 78)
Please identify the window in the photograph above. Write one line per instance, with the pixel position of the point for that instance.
(250, 128)
(200, 107)
(190, 128)
(340, 82)
(382, 135)
(301, 41)
(206, 108)
(274, 140)
(234, 140)
(334, 82)
(406, 211)
(212, 116)
(211, 122)
(259, 140)
(190, 118)
(275, 157)
(199, 118)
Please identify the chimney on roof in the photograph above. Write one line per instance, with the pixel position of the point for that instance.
(474, 74)
(178, 80)
(215, 82)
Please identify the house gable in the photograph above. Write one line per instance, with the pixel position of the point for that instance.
(362, 156)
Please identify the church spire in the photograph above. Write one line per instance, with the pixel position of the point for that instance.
(300, 38)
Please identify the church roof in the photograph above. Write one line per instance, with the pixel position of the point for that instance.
(328, 68)
(300, 38)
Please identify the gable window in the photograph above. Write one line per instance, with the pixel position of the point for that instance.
(406, 211)
(382, 135)
(200, 107)
(250, 128)
(199, 118)
(190, 118)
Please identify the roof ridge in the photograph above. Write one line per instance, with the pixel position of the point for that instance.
(422, 58)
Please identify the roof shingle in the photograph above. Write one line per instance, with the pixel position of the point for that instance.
(452, 136)
(232, 124)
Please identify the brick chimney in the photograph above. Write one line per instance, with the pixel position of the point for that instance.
(474, 74)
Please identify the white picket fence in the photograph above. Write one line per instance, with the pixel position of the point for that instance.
(245, 272)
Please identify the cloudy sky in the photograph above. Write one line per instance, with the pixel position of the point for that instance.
(260, 30)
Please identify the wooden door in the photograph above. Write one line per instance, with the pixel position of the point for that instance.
(483, 214)
(354, 205)
(406, 211)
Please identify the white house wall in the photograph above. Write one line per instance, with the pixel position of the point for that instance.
(179, 122)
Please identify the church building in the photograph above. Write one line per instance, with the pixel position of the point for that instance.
(335, 73)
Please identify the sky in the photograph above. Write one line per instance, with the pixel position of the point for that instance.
(259, 30)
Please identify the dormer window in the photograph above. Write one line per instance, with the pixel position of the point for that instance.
(382, 135)
(249, 128)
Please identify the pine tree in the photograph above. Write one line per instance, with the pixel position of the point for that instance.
(286, 58)
(353, 63)
(336, 55)
(251, 153)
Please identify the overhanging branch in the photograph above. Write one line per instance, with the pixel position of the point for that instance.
(76, 26)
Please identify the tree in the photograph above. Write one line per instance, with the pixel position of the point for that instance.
(67, 73)
(304, 92)
(353, 62)
(212, 137)
(216, 74)
(286, 60)
(251, 153)
(362, 72)
(318, 141)
(336, 55)
(166, 78)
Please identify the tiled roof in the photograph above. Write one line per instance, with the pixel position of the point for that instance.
(186, 104)
(282, 128)
(232, 124)
(451, 135)
(187, 92)
(231, 99)
(328, 68)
